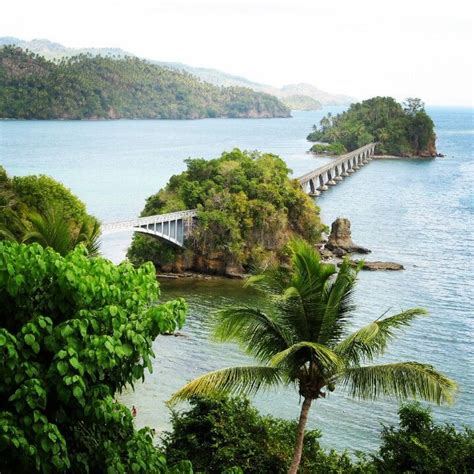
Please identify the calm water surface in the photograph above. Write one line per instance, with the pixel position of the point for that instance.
(417, 213)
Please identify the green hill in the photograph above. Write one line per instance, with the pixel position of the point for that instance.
(301, 102)
(97, 87)
(51, 50)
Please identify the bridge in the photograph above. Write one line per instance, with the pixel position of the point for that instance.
(318, 180)
(174, 227)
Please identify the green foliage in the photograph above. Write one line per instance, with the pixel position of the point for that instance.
(248, 209)
(39, 209)
(328, 149)
(420, 445)
(73, 331)
(398, 131)
(224, 433)
(86, 86)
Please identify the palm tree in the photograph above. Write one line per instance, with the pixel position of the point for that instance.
(302, 341)
(52, 229)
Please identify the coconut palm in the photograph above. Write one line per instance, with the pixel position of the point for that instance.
(302, 340)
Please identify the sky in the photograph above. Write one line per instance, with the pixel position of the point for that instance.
(363, 48)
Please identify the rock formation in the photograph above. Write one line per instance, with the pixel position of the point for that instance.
(340, 239)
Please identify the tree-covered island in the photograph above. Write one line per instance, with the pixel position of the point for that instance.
(248, 208)
(399, 129)
(98, 87)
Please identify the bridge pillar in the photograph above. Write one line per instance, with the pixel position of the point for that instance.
(355, 166)
(338, 174)
(331, 181)
(322, 185)
(345, 170)
(313, 191)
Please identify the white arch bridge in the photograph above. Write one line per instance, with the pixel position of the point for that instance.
(175, 227)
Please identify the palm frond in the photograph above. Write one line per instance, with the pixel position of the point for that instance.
(237, 380)
(5, 234)
(327, 361)
(338, 303)
(302, 301)
(89, 235)
(372, 340)
(401, 380)
(258, 333)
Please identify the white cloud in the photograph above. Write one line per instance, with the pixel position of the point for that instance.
(364, 48)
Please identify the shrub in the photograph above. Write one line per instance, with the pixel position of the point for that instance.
(420, 445)
(224, 433)
(73, 331)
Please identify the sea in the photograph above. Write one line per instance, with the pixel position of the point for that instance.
(417, 213)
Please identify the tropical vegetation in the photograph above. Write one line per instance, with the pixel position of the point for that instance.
(74, 331)
(419, 444)
(248, 208)
(399, 129)
(104, 87)
(39, 209)
(302, 340)
(222, 433)
(328, 149)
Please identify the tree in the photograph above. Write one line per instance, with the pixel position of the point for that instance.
(412, 106)
(301, 340)
(74, 331)
(420, 445)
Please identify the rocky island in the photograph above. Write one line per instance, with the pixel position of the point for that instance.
(402, 130)
(248, 209)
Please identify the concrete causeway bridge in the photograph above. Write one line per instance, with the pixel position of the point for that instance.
(318, 180)
(174, 227)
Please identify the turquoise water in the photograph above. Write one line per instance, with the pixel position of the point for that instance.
(418, 213)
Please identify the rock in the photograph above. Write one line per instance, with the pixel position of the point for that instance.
(234, 271)
(341, 239)
(386, 266)
(339, 252)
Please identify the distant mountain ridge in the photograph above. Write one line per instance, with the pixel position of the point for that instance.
(52, 50)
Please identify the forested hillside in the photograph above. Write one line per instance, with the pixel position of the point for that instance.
(96, 87)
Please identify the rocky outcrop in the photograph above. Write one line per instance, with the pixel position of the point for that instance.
(373, 266)
(340, 239)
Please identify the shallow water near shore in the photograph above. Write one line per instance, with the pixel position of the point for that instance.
(417, 213)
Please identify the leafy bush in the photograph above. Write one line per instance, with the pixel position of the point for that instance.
(248, 208)
(398, 130)
(420, 445)
(104, 87)
(73, 331)
(223, 433)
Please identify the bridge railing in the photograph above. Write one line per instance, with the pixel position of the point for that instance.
(341, 159)
(141, 221)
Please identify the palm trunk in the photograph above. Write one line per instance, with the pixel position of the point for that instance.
(300, 436)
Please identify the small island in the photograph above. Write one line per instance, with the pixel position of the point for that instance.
(248, 209)
(403, 130)
(87, 87)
